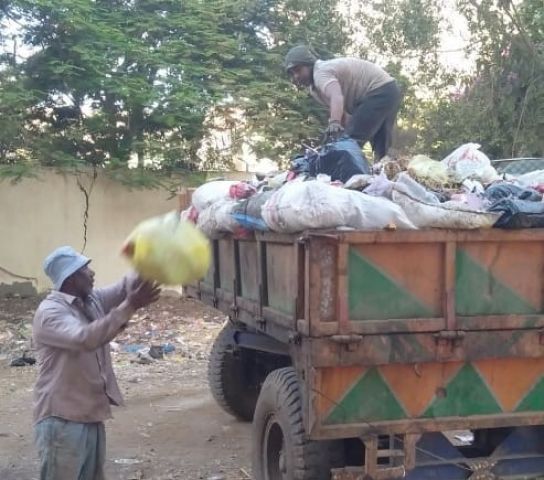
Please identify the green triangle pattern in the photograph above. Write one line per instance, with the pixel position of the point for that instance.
(478, 292)
(373, 295)
(466, 395)
(369, 400)
(534, 401)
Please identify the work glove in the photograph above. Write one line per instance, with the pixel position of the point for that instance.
(334, 130)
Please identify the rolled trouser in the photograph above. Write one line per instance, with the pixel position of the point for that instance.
(374, 116)
(70, 450)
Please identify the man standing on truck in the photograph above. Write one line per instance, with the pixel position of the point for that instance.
(76, 384)
(363, 99)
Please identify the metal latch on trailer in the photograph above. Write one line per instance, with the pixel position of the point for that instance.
(447, 341)
(455, 337)
(350, 341)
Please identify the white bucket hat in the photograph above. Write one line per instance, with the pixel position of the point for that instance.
(61, 263)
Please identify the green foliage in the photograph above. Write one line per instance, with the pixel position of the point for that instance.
(110, 82)
(151, 82)
(501, 106)
(403, 28)
(15, 105)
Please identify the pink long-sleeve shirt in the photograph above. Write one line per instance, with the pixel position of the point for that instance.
(76, 381)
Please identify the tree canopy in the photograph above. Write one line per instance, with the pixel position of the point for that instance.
(149, 82)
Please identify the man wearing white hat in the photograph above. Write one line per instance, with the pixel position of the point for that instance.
(76, 384)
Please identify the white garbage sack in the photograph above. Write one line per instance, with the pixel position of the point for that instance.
(405, 183)
(211, 192)
(217, 218)
(452, 215)
(358, 181)
(380, 186)
(468, 161)
(311, 205)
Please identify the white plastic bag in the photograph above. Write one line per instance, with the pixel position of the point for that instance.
(473, 195)
(211, 192)
(468, 161)
(473, 186)
(189, 214)
(452, 215)
(218, 218)
(308, 205)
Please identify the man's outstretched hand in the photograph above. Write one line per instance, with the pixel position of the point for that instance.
(143, 293)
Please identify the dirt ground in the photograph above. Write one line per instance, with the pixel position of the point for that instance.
(170, 428)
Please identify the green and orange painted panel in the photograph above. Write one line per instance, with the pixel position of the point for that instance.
(499, 278)
(390, 281)
(404, 281)
(348, 395)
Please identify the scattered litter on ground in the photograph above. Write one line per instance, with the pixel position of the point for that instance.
(126, 461)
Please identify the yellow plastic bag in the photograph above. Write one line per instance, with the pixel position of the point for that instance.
(429, 172)
(168, 250)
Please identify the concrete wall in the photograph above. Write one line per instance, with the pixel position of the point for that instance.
(38, 215)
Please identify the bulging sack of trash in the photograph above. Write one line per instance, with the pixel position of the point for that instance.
(168, 250)
(217, 218)
(380, 186)
(300, 206)
(429, 172)
(211, 192)
(405, 183)
(358, 182)
(468, 161)
(451, 216)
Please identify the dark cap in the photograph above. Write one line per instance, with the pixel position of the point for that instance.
(299, 55)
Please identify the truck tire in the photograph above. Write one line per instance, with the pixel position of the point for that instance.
(281, 450)
(230, 383)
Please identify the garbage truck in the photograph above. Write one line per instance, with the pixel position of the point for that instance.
(384, 354)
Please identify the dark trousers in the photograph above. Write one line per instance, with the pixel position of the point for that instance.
(374, 118)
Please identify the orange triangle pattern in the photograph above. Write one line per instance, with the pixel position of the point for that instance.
(335, 383)
(420, 272)
(416, 385)
(510, 379)
(517, 265)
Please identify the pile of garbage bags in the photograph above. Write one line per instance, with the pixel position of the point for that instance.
(335, 188)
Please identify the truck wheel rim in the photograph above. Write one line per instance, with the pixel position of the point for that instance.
(275, 462)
